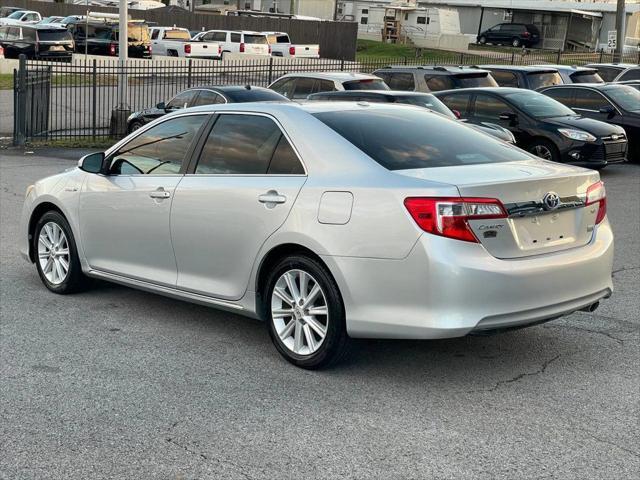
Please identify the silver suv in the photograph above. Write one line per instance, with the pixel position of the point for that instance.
(434, 78)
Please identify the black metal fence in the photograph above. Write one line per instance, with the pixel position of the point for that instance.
(60, 100)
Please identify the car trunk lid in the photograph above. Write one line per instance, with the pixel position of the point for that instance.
(532, 226)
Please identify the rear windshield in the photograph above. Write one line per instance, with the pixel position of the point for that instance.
(254, 95)
(137, 33)
(54, 35)
(368, 84)
(543, 79)
(426, 101)
(625, 96)
(586, 77)
(278, 39)
(404, 138)
(261, 39)
(177, 35)
(469, 80)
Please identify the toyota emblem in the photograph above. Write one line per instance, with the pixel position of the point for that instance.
(551, 201)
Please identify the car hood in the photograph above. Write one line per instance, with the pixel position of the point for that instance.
(594, 127)
(147, 111)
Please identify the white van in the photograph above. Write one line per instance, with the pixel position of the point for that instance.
(251, 43)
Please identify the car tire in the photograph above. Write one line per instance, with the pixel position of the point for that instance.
(135, 125)
(544, 149)
(482, 40)
(300, 331)
(516, 42)
(56, 255)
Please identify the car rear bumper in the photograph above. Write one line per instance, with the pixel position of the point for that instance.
(448, 288)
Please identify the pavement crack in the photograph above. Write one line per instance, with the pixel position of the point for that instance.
(623, 269)
(609, 442)
(540, 370)
(620, 341)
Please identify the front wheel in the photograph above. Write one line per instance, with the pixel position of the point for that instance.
(57, 259)
(545, 150)
(305, 313)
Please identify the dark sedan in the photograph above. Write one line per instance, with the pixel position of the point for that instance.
(543, 126)
(204, 95)
(426, 100)
(612, 103)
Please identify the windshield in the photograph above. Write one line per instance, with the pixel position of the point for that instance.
(625, 96)
(544, 79)
(17, 14)
(405, 138)
(261, 39)
(426, 101)
(588, 76)
(367, 84)
(469, 80)
(538, 105)
(54, 35)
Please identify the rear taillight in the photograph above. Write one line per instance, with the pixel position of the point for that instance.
(449, 216)
(597, 194)
(1, 51)
(292, 50)
(112, 49)
(219, 50)
(526, 34)
(187, 48)
(242, 48)
(269, 49)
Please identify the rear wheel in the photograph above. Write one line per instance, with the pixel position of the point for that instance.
(482, 40)
(545, 150)
(305, 313)
(134, 126)
(57, 259)
(516, 42)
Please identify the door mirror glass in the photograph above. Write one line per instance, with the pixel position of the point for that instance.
(92, 163)
(161, 106)
(608, 110)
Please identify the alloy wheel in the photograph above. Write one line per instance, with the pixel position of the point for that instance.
(53, 253)
(542, 152)
(299, 312)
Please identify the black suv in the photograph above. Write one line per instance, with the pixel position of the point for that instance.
(526, 76)
(434, 79)
(40, 42)
(102, 38)
(612, 103)
(541, 125)
(514, 34)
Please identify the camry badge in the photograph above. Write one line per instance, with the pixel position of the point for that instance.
(551, 201)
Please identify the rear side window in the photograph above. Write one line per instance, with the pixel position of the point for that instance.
(368, 84)
(490, 107)
(400, 81)
(259, 39)
(562, 95)
(235, 37)
(505, 79)
(181, 100)
(207, 97)
(29, 34)
(415, 138)
(439, 82)
(458, 102)
(284, 86)
(631, 74)
(246, 145)
(543, 79)
(608, 74)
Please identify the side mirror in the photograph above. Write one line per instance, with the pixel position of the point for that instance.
(161, 106)
(92, 163)
(609, 110)
(508, 116)
(457, 114)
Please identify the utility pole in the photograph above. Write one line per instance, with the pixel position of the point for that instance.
(335, 11)
(123, 46)
(621, 20)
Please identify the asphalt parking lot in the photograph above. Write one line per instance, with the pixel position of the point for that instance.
(118, 383)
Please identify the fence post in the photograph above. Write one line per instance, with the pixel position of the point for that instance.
(559, 56)
(513, 58)
(461, 58)
(20, 103)
(94, 103)
(601, 52)
(189, 75)
(270, 70)
(404, 59)
(342, 65)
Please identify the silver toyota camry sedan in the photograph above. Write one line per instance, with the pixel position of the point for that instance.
(330, 221)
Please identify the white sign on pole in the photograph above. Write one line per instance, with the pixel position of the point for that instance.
(611, 39)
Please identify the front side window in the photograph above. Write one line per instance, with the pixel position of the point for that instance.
(160, 150)
(304, 87)
(608, 74)
(29, 34)
(247, 145)
(400, 139)
(207, 97)
(458, 102)
(625, 96)
(538, 105)
(181, 100)
(284, 86)
(590, 100)
(631, 74)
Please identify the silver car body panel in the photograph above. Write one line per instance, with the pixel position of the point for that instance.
(396, 280)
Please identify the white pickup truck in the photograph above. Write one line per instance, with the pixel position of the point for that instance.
(176, 42)
(281, 46)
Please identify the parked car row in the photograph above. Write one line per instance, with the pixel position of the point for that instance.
(98, 34)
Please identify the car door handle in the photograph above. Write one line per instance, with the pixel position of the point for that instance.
(160, 193)
(272, 197)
